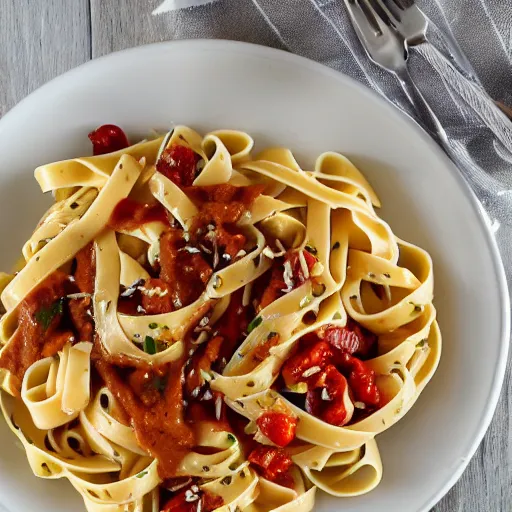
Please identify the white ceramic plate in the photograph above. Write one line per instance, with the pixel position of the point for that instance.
(282, 99)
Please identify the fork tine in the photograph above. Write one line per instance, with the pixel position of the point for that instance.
(367, 28)
(362, 18)
(383, 12)
(382, 23)
(403, 4)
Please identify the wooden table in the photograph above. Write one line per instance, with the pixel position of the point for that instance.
(42, 39)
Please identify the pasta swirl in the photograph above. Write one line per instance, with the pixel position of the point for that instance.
(196, 326)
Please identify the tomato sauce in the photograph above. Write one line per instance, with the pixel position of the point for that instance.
(159, 425)
(39, 333)
(80, 309)
(129, 215)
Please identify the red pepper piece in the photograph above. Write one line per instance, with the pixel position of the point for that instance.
(278, 427)
(107, 139)
(361, 379)
(315, 355)
(206, 503)
(178, 163)
(273, 464)
(331, 410)
(178, 504)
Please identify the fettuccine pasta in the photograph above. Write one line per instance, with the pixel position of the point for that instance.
(199, 326)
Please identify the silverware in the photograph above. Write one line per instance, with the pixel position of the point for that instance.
(389, 50)
(408, 20)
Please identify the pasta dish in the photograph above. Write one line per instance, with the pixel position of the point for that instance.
(197, 326)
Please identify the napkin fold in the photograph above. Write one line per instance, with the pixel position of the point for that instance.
(462, 92)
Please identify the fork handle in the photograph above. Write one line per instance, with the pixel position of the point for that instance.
(426, 114)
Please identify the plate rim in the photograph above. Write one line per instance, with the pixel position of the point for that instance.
(311, 65)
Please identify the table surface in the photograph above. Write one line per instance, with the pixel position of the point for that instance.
(40, 40)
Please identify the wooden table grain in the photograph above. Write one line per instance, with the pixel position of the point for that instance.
(40, 39)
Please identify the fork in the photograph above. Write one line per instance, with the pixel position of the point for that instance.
(409, 21)
(388, 49)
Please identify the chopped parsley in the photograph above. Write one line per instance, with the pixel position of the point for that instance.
(254, 323)
(305, 301)
(45, 316)
(153, 325)
(141, 474)
(231, 438)
(149, 345)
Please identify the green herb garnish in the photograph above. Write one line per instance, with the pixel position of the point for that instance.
(153, 325)
(254, 323)
(231, 438)
(45, 316)
(141, 474)
(149, 345)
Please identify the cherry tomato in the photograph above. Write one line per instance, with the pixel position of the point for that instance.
(107, 139)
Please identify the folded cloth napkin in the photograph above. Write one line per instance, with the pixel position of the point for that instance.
(462, 91)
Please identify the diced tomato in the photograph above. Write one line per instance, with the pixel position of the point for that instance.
(314, 355)
(361, 380)
(331, 409)
(211, 502)
(273, 463)
(298, 272)
(352, 338)
(107, 139)
(178, 504)
(278, 427)
(206, 503)
(178, 163)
